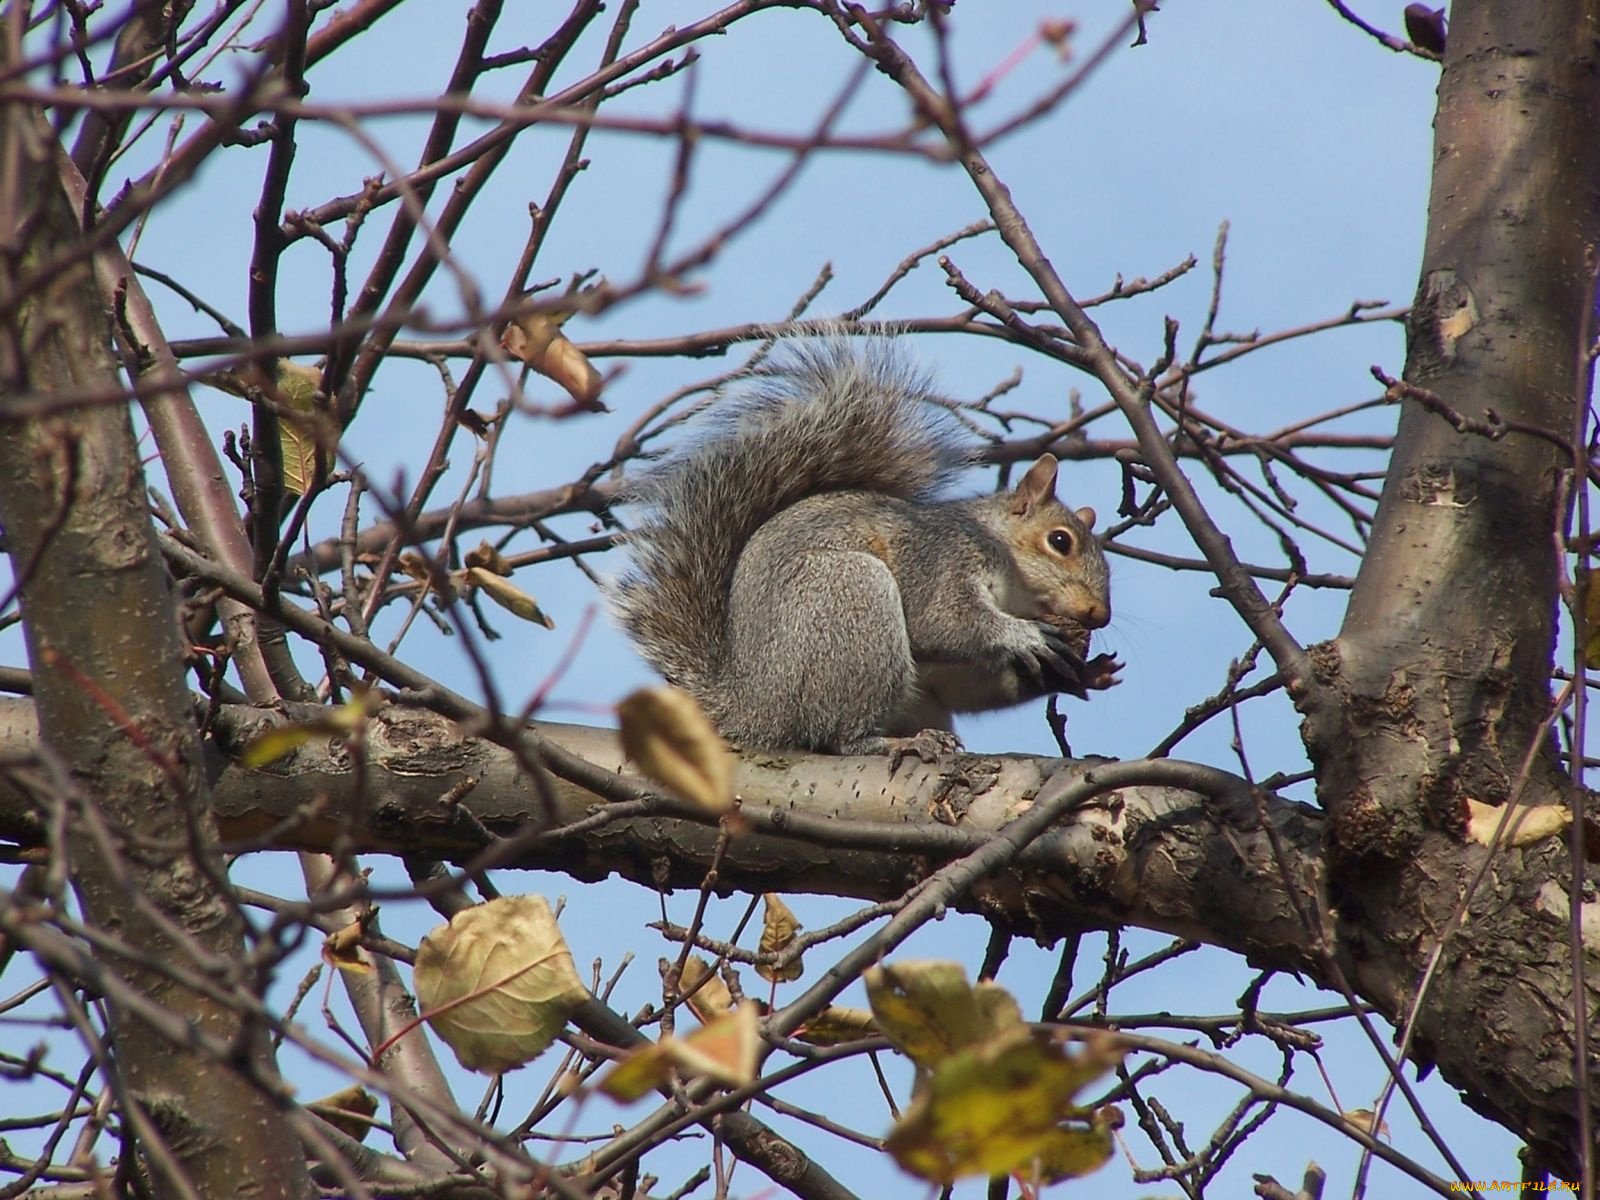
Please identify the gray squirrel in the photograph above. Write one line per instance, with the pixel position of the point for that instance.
(798, 575)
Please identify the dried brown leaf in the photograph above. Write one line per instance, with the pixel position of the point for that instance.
(665, 733)
(497, 983)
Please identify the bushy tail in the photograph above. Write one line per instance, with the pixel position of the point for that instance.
(831, 417)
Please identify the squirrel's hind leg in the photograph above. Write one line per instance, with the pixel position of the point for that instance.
(832, 667)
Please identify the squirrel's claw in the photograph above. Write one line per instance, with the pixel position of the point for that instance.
(928, 746)
(1100, 672)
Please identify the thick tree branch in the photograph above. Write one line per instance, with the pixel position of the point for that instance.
(1182, 851)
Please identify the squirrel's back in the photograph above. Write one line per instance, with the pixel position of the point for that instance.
(828, 417)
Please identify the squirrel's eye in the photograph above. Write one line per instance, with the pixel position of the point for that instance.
(1060, 541)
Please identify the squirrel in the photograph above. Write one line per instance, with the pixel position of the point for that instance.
(798, 575)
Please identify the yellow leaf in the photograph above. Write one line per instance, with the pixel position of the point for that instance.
(305, 434)
(509, 596)
(299, 388)
(497, 983)
(709, 999)
(1589, 602)
(642, 1071)
(778, 929)
(234, 382)
(1528, 824)
(835, 1025)
(272, 745)
(1006, 1106)
(538, 341)
(342, 949)
(349, 1110)
(1364, 1119)
(724, 1050)
(993, 1096)
(671, 741)
(338, 721)
(929, 1010)
(998, 1012)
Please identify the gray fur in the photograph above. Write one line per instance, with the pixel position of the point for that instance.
(797, 575)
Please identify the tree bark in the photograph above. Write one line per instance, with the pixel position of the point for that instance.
(1157, 853)
(113, 710)
(1437, 688)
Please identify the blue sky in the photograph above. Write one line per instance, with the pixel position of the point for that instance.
(1308, 138)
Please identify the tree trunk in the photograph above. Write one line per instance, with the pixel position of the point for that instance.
(1437, 689)
(102, 637)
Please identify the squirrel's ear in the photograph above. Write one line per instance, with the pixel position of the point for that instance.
(1086, 515)
(1037, 486)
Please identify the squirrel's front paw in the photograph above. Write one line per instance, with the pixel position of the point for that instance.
(1054, 661)
(1100, 672)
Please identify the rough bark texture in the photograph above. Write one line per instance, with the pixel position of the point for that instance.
(1437, 687)
(1156, 855)
(98, 615)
